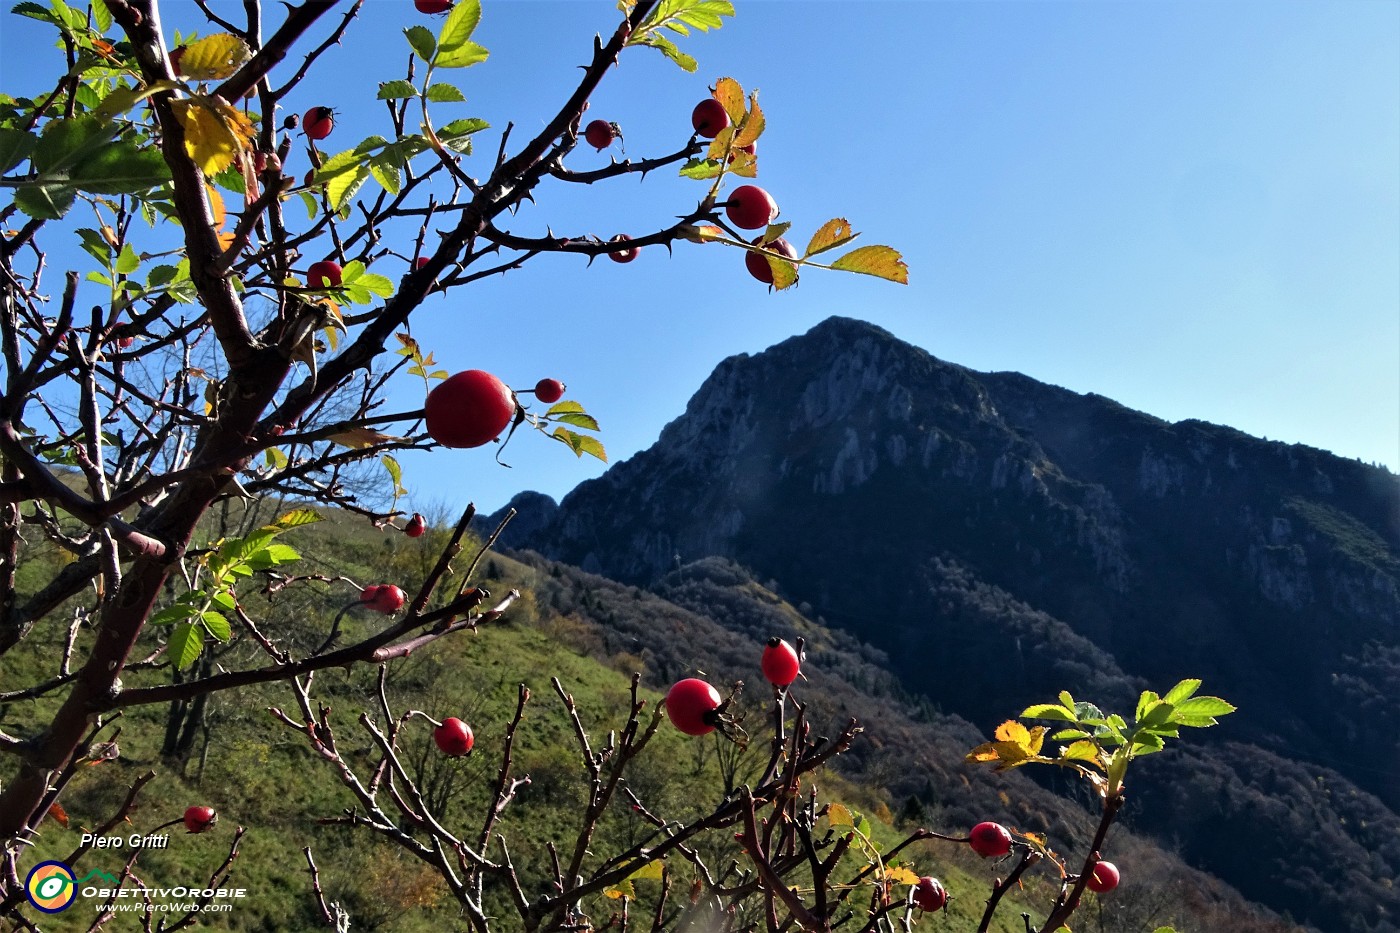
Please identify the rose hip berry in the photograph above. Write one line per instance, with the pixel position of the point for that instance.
(432, 7)
(383, 597)
(929, 894)
(708, 118)
(780, 663)
(623, 255)
(318, 122)
(1103, 878)
(198, 819)
(750, 207)
(469, 409)
(691, 706)
(454, 737)
(757, 263)
(600, 134)
(990, 839)
(323, 274)
(416, 526)
(549, 391)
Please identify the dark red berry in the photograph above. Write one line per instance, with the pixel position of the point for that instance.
(416, 526)
(454, 737)
(432, 7)
(708, 118)
(750, 207)
(323, 274)
(990, 839)
(757, 263)
(469, 409)
(780, 663)
(198, 819)
(929, 894)
(623, 255)
(1103, 878)
(387, 599)
(549, 391)
(691, 705)
(600, 134)
(318, 122)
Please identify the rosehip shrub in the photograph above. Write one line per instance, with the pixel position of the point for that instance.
(454, 737)
(929, 894)
(198, 819)
(990, 839)
(549, 391)
(757, 263)
(323, 274)
(318, 122)
(416, 526)
(1103, 878)
(708, 118)
(779, 663)
(469, 409)
(691, 704)
(623, 255)
(750, 207)
(600, 134)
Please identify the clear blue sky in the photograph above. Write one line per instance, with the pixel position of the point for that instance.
(1191, 208)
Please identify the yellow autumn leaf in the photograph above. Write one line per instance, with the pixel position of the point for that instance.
(901, 875)
(831, 234)
(215, 132)
(839, 815)
(702, 233)
(1012, 731)
(784, 272)
(730, 93)
(880, 261)
(753, 125)
(216, 206)
(214, 58)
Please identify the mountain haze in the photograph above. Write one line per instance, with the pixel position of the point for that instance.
(1000, 539)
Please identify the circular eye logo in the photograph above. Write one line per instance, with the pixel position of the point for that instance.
(50, 886)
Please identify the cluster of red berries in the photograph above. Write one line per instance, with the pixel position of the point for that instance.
(694, 706)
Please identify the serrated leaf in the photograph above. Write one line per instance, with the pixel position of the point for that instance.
(445, 94)
(784, 272)
(15, 147)
(1146, 701)
(753, 125)
(272, 556)
(186, 642)
(1083, 750)
(1197, 707)
(175, 612)
(1048, 711)
(730, 93)
(341, 188)
(120, 167)
(623, 889)
(838, 815)
(361, 438)
(651, 871)
(421, 40)
(581, 444)
(880, 261)
(376, 283)
(214, 58)
(100, 278)
(395, 471)
(670, 50)
(296, 519)
(128, 262)
(1184, 690)
(101, 15)
(578, 420)
(215, 132)
(898, 874)
(396, 90)
(701, 169)
(45, 201)
(1066, 734)
(835, 232)
(64, 142)
(216, 624)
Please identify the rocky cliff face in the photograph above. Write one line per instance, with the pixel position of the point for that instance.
(1002, 538)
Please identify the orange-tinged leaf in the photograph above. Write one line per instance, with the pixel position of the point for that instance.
(731, 94)
(753, 125)
(226, 239)
(360, 438)
(216, 205)
(59, 814)
(901, 875)
(214, 58)
(881, 261)
(743, 164)
(784, 272)
(215, 133)
(702, 233)
(1012, 731)
(720, 144)
(833, 233)
(987, 751)
(838, 815)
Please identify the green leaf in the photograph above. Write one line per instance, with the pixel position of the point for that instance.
(123, 167)
(1067, 734)
(186, 642)
(1067, 701)
(881, 261)
(99, 277)
(701, 169)
(670, 50)
(215, 624)
(45, 202)
(101, 16)
(422, 42)
(273, 555)
(1083, 750)
(1048, 711)
(1201, 707)
(275, 458)
(296, 519)
(128, 262)
(581, 444)
(396, 90)
(1145, 703)
(224, 600)
(445, 94)
(386, 172)
(395, 471)
(160, 276)
(341, 188)
(1158, 714)
(457, 134)
(175, 612)
(33, 11)
(376, 283)
(64, 142)
(1182, 691)
(455, 48)
(15, 147)
(578, 420)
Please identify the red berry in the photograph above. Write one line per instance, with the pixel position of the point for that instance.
(198, 819)
(691, 705)
(600, 134)
(318, 122)
(623, 255)
(549, 391)
(323, 274)
(780, 663)
(310, 179)
(432, 7)
(176, 54)
(757, 263)
(750, 207)
(387, 599)
(469, 409)
(708, 118)
(416, 526)
(368, 594)
(420, 262)
(124, 343)
(454, 737)
(929, 894)
(990, 839)
(1103, 878)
